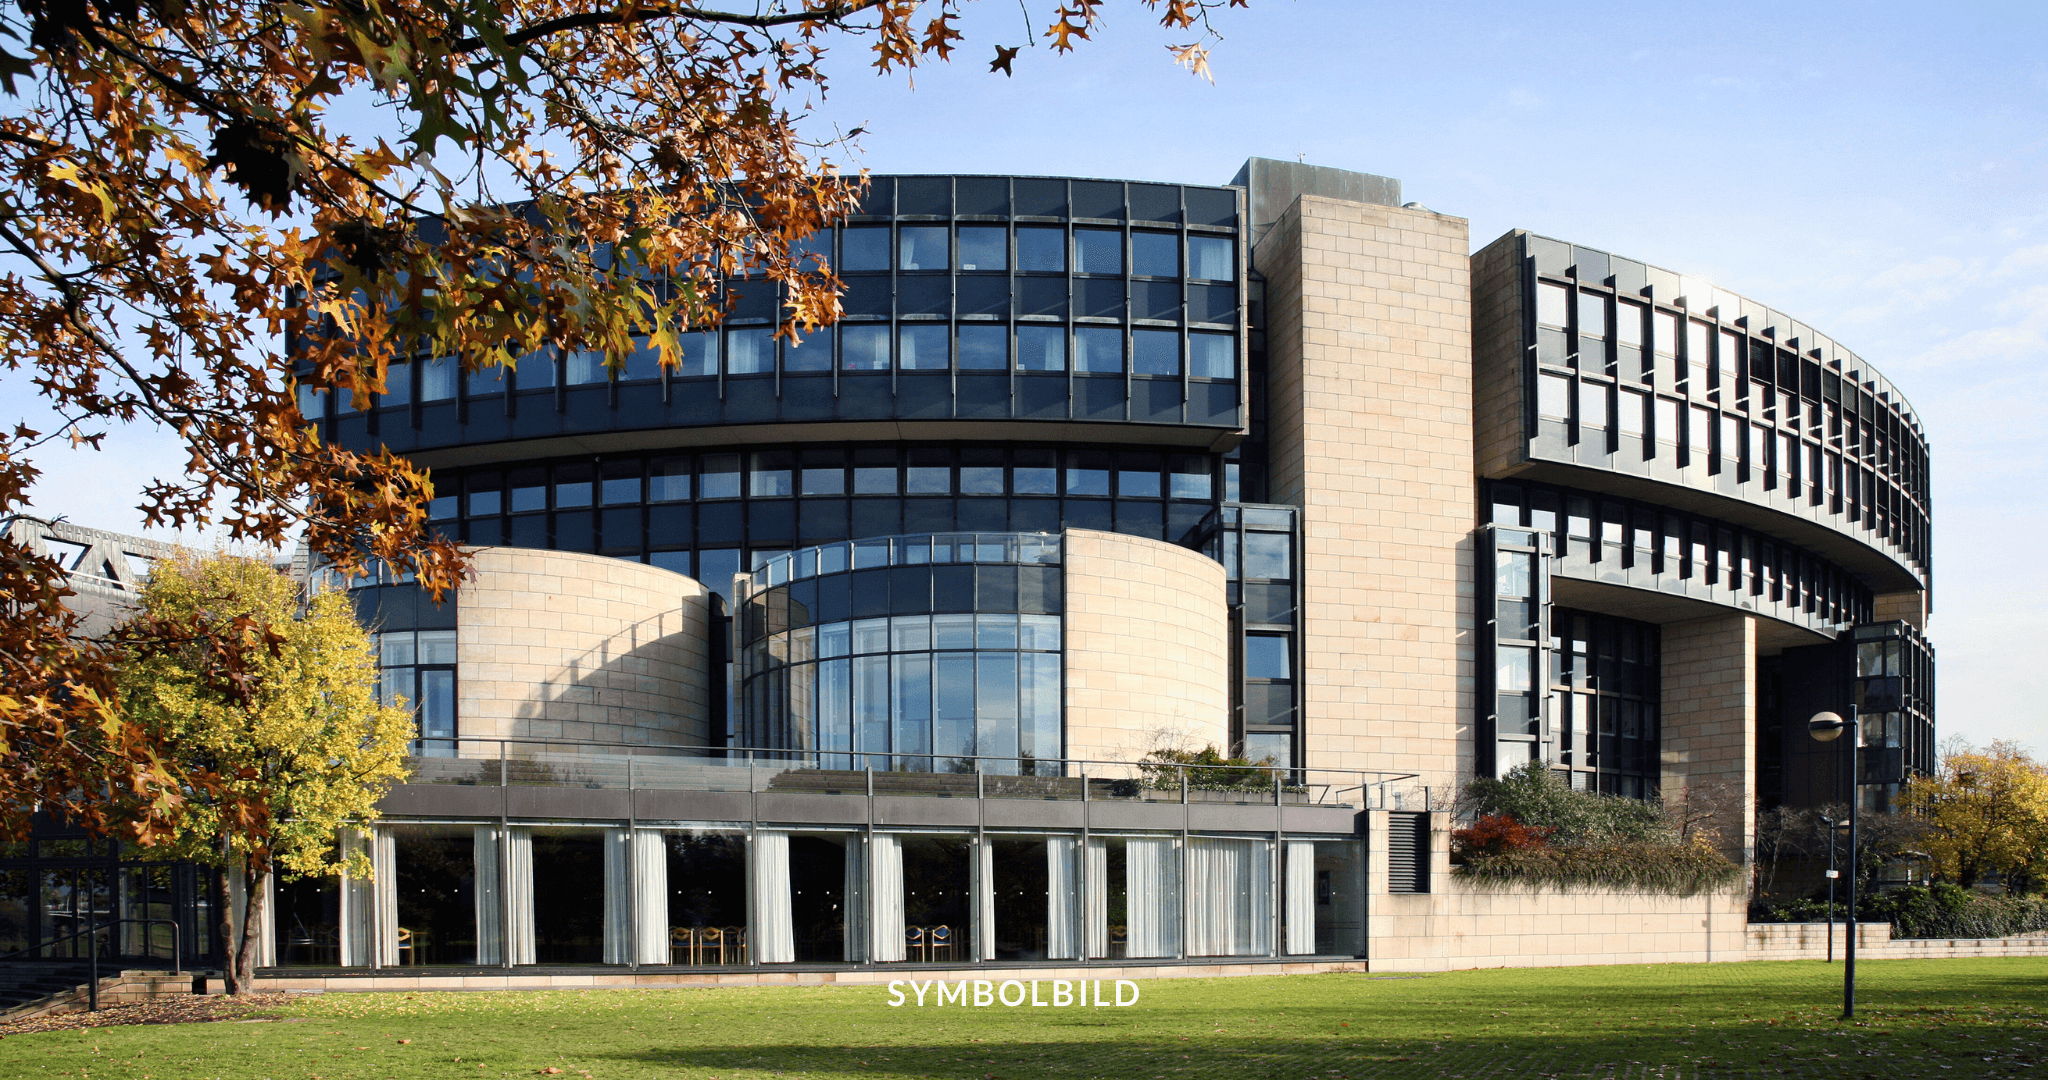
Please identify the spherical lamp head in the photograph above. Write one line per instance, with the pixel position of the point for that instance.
(1826, 726)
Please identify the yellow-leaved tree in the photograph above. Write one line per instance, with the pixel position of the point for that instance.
(1986, 810)
(294, 738)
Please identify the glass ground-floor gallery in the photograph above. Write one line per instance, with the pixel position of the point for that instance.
(710, 894)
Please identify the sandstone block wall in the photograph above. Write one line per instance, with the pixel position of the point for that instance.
(563, 645)
(1709, 723)
(1370, 408)
(1147, 646)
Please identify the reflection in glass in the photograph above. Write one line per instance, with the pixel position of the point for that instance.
(1041, 250)
(1155, 254)
(1098, 251)
(984, 347)
(749, 350)
(922, 346)
(865, 346)
(1098, 349)
(1155, 352)
(1212, 258)
(984, 248)
(1041, 348)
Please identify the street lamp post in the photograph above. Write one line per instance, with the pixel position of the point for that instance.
(1827, 727)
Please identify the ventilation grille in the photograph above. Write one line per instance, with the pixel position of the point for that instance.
(1408, 853)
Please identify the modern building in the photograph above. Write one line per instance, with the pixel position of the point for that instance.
(859, 649)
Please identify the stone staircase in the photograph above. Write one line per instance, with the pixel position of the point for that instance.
(35, 987)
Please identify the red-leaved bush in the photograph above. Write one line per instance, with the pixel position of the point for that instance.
(1497, 834)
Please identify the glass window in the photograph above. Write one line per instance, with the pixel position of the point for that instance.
(930, 472)
(485, 498)
(984, 347)
(489, 380)
(1665, 337)
(668, 480)
(922, 347)
(1697, 334)
(811, 352)
(823, 474)
(700, 354)
(1098, 349)
(1700, 433)
(1087, 473)
(716, 567)
(921, 247)
(1212, 356)
(572, 486)
(643, 363)
(864, 249)
(1155, 254)
(1099, 251)
(865, 347)
(1155, 352)
(1592, 408)
(586, 366)
(720, 478)
(1554, 397)
(1035, 473)
(397, 386)
(1630, 412)
(1513, 573)
(1268, 555)
(1592, 314)
(536, 370)
(1041, 348)
(1553, 304)
(1138, 478)
(809, 253)
(984, 248)
(1212, 258)
(768, 475)
(1041, 250)
(1667, 421)
(437, 378)
(1265, 657)
(749, 351)
(1628, 323)
(874, 472)
(529, 490)
(1191, 478)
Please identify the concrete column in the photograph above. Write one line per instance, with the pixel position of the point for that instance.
(1709, 722)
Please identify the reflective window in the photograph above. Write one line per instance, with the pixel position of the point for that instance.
(1035, 473)
(810, 352)
(1155, 254)
(984, 248)
(643, 363)
(1155, 352)
(1098, 349)
(922, 247)
(1628, 323)
(720, 478)
(585, 366)
(1266, 657)
(1087, 473)
(529, 490)
(864, 249)
(874, 472)
(700, 354)
(1212, 258)
(864, 346)
(1664, 336)
(768, 474)
(1553, 397)
(1553, 304)
(536, 370)
(984, 347)
(1041, 250)
(1041, 348)
(1592, 314)
(922, 347)
(1212, 356)
(929, 472)
(1138, 478)
(1098, 251)
(750, 350)
(437, 378)
(572, 486)
(1268, 556)
(668, 480)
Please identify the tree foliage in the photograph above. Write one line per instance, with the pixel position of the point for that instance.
(1985, 811)
(211, 211)
(299, 748)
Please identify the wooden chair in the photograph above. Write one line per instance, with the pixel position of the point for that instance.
(736, 940)
(406, 947)
(941, 940)
(709, 939)
(1119, 941)
(913, 942)
(679, 940)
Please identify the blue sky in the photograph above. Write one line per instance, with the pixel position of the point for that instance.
(1877, 170)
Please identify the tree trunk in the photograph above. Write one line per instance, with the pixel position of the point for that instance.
(226, 909)
(255, 899)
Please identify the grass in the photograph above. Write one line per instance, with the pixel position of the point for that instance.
(1919, 1018)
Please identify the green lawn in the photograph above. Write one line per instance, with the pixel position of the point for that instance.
(1920, 1018)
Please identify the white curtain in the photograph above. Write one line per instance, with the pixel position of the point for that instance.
(1301, 897)
(650, 878)
(520, 842)
(981, 892)
(238, 908)
(773, 931)
(856, 928)
(1230, 897)
(1095, 905)
(384, 861)
(885, 909)
(1062, 897)
(490, 900)
(358, 904)
(618, 896)
(1152, 895)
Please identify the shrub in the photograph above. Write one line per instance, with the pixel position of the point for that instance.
(1206, 769)
(1534, 829)
(1495, 834)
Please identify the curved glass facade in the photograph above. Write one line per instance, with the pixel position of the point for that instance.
(1636, 370)
(914, 653)
(967, 298)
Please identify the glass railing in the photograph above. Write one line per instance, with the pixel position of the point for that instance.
(915, 549)
(543, 763)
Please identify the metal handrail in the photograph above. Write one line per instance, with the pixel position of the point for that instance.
(92, 986)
